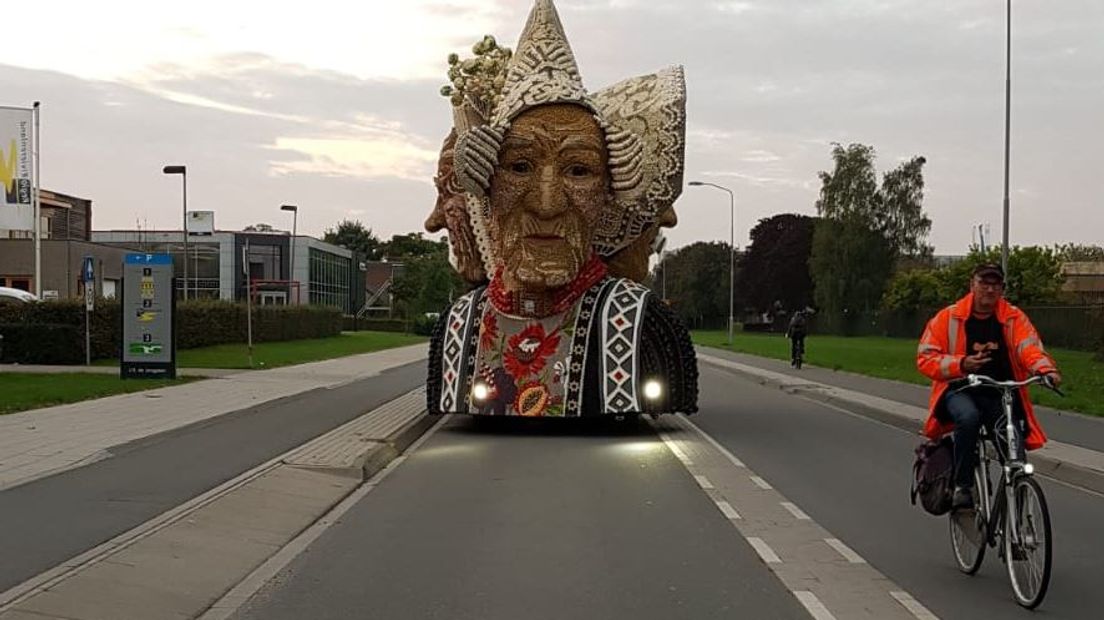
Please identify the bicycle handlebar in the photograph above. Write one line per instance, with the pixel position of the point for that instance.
(973, 380)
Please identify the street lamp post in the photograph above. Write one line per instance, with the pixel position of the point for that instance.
(731, 248)
(294, 223)
(183, 172)
(1007, 130)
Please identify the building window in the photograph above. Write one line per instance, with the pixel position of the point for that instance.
(329, 280)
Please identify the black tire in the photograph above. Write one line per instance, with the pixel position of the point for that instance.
(968, 533)
(1028, 560)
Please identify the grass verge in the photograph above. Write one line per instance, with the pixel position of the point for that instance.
(895, 358)
(24, 391)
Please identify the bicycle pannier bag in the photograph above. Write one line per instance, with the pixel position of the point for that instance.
(933, 475)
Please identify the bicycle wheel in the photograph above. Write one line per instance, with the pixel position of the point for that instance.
(968, 532)
(1028, 557)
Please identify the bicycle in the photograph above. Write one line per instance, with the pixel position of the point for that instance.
(1022, 535)
(797, 352)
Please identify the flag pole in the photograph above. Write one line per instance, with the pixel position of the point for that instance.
(37, 206)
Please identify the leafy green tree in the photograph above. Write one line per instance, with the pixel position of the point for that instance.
(697, 283)
(411, 245)
(428, 283)
(352, 235)
(865, 229)
(775, 267)
(1034, 277)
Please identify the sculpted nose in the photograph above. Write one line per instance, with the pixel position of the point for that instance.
(550, 198)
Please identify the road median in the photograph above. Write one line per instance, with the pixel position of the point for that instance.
(180, 563)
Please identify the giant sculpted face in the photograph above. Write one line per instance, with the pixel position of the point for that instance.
(451, 212)
(548, 190)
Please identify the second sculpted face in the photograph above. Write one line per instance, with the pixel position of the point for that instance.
(549, 188)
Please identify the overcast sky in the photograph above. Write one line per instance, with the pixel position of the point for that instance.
(336, 108)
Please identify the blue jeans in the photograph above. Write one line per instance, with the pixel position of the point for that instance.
(969, 410)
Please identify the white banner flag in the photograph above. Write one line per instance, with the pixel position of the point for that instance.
(16, 208)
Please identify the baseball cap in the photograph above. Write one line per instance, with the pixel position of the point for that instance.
(989, 270)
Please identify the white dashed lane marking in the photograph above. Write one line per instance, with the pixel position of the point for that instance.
(762, 484)
(764, 550)
(847, 553)
(813, 605)
(728, 510)
(704, 482)
(795, 511)
(914, 606)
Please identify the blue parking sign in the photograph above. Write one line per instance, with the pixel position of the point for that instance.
(87, 272)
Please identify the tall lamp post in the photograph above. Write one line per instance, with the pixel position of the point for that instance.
(731, 247)
(1007, 130)
(294, 222)
(183, 172)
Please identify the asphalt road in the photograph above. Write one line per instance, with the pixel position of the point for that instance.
(51, 520)
(544, 520)
(530, 519)
(851, 475)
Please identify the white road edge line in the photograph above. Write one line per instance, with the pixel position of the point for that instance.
(913, 605)
(703, 482)
(728, 510)
(847, 552)
(764, 550)
(230, 602)
(798, 513)
(813, 605)
(762, 484)
(713, 442)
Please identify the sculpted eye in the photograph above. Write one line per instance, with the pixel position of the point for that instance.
(578, 170)
(521, 167)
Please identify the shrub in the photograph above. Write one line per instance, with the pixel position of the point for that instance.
(199, 324)
(42, 343)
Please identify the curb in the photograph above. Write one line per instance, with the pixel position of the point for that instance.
(1063, 470)
(290, 498)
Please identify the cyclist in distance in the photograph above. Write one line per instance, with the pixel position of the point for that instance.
(796, 331)
(980, 334)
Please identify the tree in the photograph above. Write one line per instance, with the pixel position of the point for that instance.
(1077, 253)
(865, 229)
(1034, 277)
(775, 267)
(697, 282)
(427, 284)
(411, 245)
(352, 235)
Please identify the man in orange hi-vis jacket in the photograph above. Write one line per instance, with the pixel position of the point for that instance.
(980, 334)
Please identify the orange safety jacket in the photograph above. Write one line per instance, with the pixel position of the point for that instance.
(943, 346)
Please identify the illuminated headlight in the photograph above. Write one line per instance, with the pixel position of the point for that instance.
(652, 389)
(480, 391)
(1029, 468)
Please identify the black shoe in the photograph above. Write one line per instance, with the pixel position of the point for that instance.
(963, 499)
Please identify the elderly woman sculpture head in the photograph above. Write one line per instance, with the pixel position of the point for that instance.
(557, 179)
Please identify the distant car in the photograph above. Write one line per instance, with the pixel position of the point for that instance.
(17, 296)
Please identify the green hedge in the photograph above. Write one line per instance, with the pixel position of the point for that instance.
(41, 343)
(199, 324)
(353, 324)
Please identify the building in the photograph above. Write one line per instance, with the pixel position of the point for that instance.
(66, 241)
(276, 268)
(1084, 281)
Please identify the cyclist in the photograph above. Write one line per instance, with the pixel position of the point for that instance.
(798, 327)
(980, 334)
